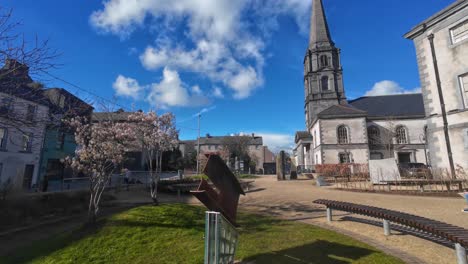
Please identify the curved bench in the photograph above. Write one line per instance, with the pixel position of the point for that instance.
(455, 234)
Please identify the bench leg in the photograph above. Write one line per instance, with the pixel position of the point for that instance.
(329, 214)
(461, 254)
(386, 227)
(178, 195)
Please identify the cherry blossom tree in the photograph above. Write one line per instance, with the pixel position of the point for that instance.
(155, 134)
(100, 153)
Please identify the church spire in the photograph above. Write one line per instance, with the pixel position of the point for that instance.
(319, 32)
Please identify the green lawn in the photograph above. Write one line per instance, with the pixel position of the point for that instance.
(174, 234)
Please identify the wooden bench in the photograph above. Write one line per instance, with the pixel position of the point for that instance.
(455, 234)
(422, 182)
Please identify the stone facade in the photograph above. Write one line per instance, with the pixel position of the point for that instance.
(338, 129)
(22, 140)
(451, 55)
(214, 144)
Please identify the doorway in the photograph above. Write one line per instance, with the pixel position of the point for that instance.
(27, 177)
(404, 157)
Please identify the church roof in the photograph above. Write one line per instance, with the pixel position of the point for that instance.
(319, 32)
(337, 111)
(391, 106)
(302, 135)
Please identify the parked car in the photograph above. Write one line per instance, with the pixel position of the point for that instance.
(415, 170)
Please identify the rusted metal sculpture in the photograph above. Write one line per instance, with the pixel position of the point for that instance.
(225, 197)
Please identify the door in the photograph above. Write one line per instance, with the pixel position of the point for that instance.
(27, 177)
(404, 157)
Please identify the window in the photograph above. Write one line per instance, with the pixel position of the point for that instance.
(27, 142)
(1, 169)
(315, 139)
(324, 60)
(3, 137)
(31, 112)
(325, 83)
(376, 156)
(459, 32)
(401, 136)
(6, 106)
(464, 89)
(344, 158)
(374, 135)
(465, 137)
(60, 140)
(343, 135)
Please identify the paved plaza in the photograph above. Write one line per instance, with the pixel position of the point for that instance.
(293, 200)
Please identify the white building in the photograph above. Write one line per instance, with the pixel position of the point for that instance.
(343, 131)
(441, 44)
(23, 118)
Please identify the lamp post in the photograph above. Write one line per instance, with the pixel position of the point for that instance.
(198, 145)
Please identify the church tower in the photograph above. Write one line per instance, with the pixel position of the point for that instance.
(323, 74)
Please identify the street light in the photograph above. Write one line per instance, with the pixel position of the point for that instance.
(198, 145)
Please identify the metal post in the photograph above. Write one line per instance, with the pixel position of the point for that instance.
(386, 227)
(442, 106)
(198, 145)
(329, 214)
(461, 254)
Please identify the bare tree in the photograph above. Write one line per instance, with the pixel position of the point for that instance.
(237, 146)
(37, 54)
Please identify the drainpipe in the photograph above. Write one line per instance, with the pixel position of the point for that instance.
(442, 106)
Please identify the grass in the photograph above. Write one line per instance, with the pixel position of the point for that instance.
(247, 176)
(174, 234)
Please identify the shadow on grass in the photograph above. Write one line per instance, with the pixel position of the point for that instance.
(165, 216)
(316, 252)
(40, 249)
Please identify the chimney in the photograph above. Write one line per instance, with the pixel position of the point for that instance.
(208, 135)
(253, 135)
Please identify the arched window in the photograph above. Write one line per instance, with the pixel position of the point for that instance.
(325, 83)
(324, 60)
(343, 135)
(401, 135)
(3, 137)
(374, 135)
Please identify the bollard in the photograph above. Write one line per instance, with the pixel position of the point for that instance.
(329, 214)
(386, 227)
(461, 254)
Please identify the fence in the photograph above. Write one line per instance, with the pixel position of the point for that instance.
(356, 177)
(116, 180)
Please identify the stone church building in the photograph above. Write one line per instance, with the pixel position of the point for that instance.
(352, 131)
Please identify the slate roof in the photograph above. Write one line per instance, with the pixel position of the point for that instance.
(337, 111)
(391, 106)
(302, 135)
(218, 140)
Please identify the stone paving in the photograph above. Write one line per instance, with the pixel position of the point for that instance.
(293, 200)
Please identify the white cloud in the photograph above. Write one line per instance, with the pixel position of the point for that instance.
(196, 90)
(389, 87)
(220, 41)
(127, 87)
(217, 92)
(170, 92)
(277, 142)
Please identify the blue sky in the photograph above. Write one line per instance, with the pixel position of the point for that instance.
(241, 60)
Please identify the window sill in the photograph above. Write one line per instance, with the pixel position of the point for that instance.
(3, 150)
(25, 151)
